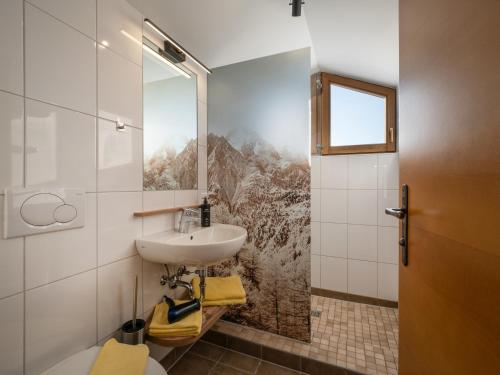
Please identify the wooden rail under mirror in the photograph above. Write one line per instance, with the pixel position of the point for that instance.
(162, 211)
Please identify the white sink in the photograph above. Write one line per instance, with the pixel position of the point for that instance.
(199, 247)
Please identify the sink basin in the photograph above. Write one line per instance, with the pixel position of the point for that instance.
(199, 247)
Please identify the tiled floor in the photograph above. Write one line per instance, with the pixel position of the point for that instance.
(208, 359)
(352, 335)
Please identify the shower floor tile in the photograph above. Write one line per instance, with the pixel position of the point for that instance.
(356, 336)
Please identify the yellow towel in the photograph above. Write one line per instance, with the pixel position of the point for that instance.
(220, 291)
(123, 359)
(188, 326)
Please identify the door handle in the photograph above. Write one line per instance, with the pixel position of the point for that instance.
(402, 214)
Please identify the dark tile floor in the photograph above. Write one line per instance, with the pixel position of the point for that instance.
(207, 359)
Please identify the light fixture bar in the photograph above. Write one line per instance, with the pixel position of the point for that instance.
(165, 60)
(164, 35)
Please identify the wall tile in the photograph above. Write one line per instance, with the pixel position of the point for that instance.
(359, 177)
(11, 140)
(158, 223)
(58, 140)
(202, 123)
(119, 158)
(186, 198)
(363, 242)
(117, 227)
(120, 88)
(363, 278)
(388, 281)
(54, 52)
(153, 290)
(11, 339)
(315, 238)
(202, 168)
(158, 199)
(334, 172)
(315, 271)
(334, 206)
(60, 321)
(155, 200)
(362, 171)
(53, 256)
(334, 274)
(388, 171)
(120, 28)
(115, 294)
(11, 46)
(387, 198)
(80, 14)
(315, 172)
(388, 246)
(11, 264)
(362, 207)
(334, 240)
(315, 204)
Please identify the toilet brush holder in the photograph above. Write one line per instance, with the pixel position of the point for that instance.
(133, 330)
(133, 335)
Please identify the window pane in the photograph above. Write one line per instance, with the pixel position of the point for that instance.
(356, 118)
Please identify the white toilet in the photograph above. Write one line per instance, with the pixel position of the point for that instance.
(81, 364)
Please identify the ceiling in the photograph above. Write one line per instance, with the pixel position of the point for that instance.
(357, 38)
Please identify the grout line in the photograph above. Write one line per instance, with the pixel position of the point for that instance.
(24, 365)
(13, 294)
(96, 182)
(12, 93)
(95, 115)
(347, 229)
(60, 20)
(79, 273)
(182, 356)
(60, 106)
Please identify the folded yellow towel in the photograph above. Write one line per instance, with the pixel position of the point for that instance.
(188, 326)
(220, 291)
(123, 359)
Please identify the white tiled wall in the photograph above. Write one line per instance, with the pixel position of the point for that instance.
(79, 70)
(354, 244)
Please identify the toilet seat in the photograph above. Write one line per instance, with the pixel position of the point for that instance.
(81, 364)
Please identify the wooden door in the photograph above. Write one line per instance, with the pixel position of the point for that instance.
(449, 140)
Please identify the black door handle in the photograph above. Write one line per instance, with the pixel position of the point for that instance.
(402, 214)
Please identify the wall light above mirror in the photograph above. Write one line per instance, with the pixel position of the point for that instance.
(170, 121)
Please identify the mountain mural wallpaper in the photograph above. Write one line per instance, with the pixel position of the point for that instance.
(259, 178)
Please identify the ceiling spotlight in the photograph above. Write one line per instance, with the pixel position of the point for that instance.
(296, 7)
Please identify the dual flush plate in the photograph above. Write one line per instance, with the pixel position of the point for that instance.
(35, 211)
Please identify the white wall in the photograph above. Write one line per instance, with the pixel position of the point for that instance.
(354, 244)
(60, 95)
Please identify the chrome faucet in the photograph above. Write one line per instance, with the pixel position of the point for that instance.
(188, 216)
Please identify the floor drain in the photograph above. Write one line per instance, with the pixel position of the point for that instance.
(316, 313)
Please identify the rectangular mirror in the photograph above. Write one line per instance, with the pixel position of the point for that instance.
(170, 123)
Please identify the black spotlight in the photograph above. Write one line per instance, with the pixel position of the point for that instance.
(296, 7)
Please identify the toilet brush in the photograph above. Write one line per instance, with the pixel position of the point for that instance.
(133, 330)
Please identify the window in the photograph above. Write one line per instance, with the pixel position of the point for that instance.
(351, 116)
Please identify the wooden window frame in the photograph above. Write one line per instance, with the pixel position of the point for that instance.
(320, 115)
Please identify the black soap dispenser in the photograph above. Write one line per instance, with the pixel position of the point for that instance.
(205, 213)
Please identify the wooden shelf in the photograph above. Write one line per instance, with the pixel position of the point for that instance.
(211, 314)
(163, 211)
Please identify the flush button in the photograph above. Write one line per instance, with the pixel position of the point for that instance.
(39, 209)
(65, 213)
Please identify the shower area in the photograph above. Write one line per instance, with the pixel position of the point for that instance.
(320, 266)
